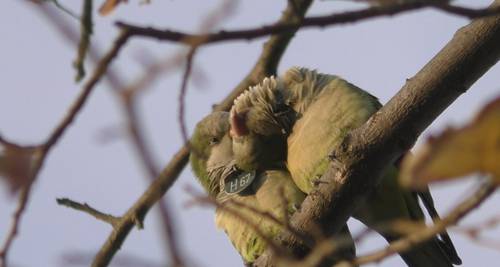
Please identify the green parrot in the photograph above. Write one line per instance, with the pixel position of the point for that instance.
(266, 191)
(311, 113)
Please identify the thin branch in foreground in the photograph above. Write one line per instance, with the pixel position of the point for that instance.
(314, 21)
(479, 227)
(484, 242)
(474, 232)
(282, 223)
(323, 247)
(427, 233)
(200, 199)
(89, 210)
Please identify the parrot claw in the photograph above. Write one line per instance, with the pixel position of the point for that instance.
(317, 181)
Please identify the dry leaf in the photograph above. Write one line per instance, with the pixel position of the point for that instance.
(474, 148)
(109, 5)
(15, 166)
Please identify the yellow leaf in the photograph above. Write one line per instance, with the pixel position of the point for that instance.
(109, 5)
(474, 148)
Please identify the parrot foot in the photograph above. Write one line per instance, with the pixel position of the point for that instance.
(316, 181)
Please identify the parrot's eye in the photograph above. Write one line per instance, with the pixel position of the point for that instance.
(213, 141)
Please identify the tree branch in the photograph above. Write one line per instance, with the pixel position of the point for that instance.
(182, 94)
(89, 210)
(394, 129)
(314, 21)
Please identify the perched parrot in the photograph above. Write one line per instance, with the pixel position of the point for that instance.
(311, 113)
(266, 190)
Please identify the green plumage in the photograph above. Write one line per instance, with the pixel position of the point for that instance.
(211, 159)
(313, 113)
(267, 198)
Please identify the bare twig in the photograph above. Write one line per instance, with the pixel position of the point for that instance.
(65, 9)
(11, 234)
(152, 72)
(482, 241)
(474, 232)
(427, 233)
(182, 94)
(479, 227)
(317, 21)
(99, 71)
(322, 247)
(232, 206)
(207, 24)
(283, 223)
(88, 209)
(86, 29)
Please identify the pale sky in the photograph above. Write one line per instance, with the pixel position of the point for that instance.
(37, 89)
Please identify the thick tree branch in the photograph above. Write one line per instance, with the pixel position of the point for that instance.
(394, 129)
(266, 65)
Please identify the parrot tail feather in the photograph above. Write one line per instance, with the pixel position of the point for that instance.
(430, 253)
(444, 240)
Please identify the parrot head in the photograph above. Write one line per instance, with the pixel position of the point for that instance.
(254, 151)
(211, 151)
(260, 121)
